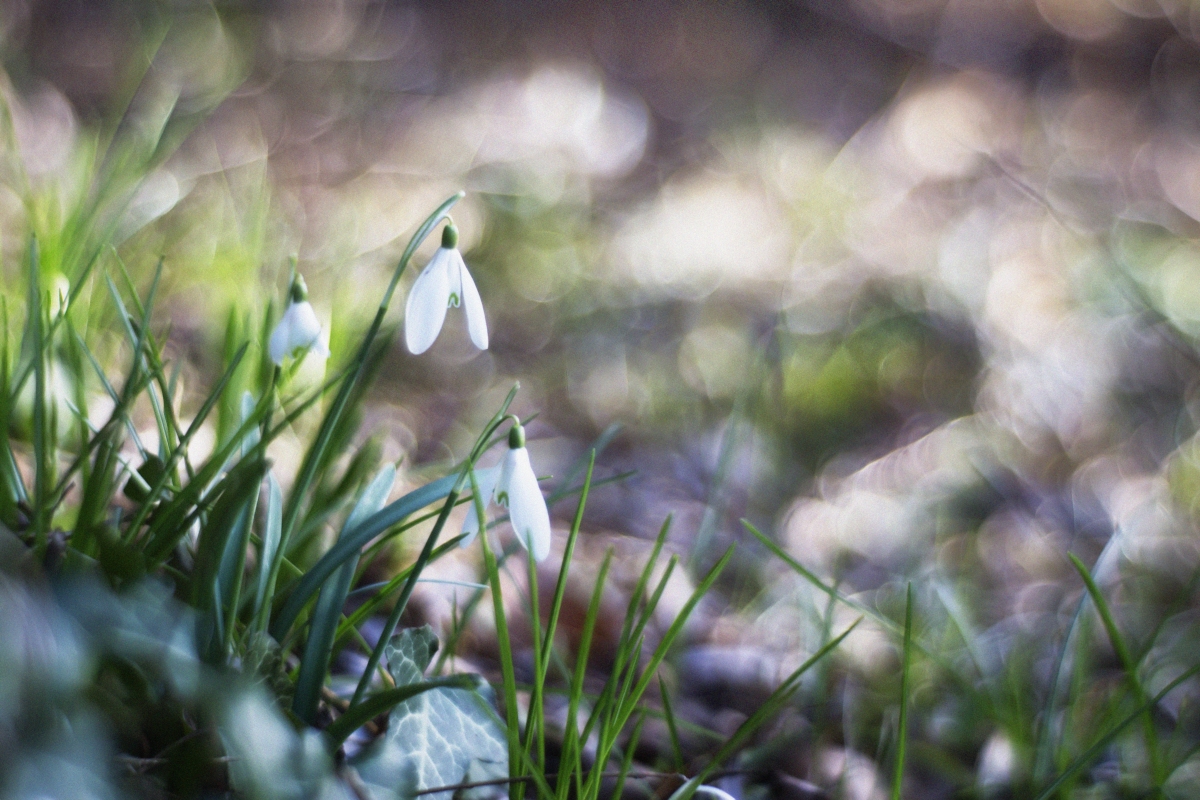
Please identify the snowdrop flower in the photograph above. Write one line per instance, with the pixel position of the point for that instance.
(445, 282)
(513, 484)
(299, 330)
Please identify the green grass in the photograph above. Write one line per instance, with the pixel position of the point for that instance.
(235, 545)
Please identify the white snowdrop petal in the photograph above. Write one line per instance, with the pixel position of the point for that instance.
(299, 328)
(425, 310)
(473, 306)
(277, 344)
(306, 328)
(486, 479)
(526, 506)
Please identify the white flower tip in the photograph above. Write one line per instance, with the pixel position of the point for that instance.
(539, 544)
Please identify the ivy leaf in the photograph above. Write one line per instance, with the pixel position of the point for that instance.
(437, 738)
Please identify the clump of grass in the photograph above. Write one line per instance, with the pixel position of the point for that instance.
(220, 530)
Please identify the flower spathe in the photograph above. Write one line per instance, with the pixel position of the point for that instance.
(514, 485)
(299, 330)
(443, 284)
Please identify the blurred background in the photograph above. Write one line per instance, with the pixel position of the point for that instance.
(911, 285)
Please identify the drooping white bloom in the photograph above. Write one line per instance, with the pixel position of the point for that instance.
(445, 282)
(514, 485)
(298, 330)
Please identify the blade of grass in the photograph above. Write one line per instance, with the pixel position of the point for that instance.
(382, 591)
(535, 732)
(628, 675)
(269, 552)
(672, 730)
(163, 533)
(777, 699)
(1127, 663)
(512, 723)
(1044, 739)
(1107, 737)
(905, 688)
(627, 757)
(571, 763)
(560, 590)
(350, 544)
(232, 499)
(332, 597)
(233, 560)
(15, 491)
(964, 683)
(627, 637)
(38, 347)
(630, 698)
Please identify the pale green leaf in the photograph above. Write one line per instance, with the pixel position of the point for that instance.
(438, 738)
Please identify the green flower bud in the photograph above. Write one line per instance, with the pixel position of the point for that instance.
(449, 236)
(516, 437)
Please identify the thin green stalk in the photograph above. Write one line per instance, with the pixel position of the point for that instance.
(627, 648)
(347, 627)
(627, 758)
(38, 346)
(572, 759)
(535, 729)
(314, 664)
(17, 492)
(1128, 664)
(906, 664)
(1044, 738)
(672, 729)
(507, 674)
(159, 531)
